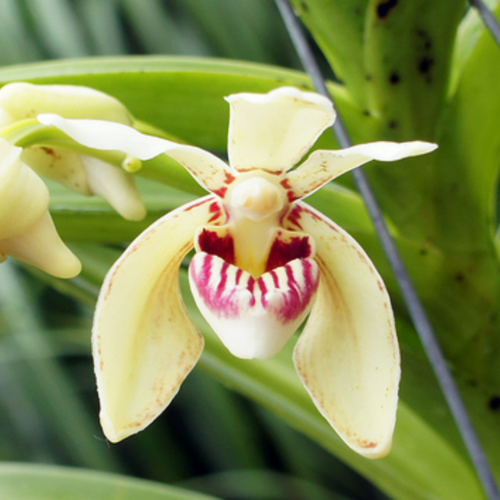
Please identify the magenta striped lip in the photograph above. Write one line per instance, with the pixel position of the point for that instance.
(229, 292)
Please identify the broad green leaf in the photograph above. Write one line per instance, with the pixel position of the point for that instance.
(43, 482)
(167, 92)
(408, 48)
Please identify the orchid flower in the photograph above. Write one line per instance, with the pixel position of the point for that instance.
(82, 173)
(26, 228)
(264, 260)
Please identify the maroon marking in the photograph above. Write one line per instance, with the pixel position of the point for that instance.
(263, 290)
(214, 299)
(229, 177)
(291, 196)
(294, 216)
(292, 300)
(250, 288)
(215, 210)
(212, 243)
(297, 299)
(282, 252)
(239, 273)
(276, 279)
(199, 204)
(221, 192)
(223, 280)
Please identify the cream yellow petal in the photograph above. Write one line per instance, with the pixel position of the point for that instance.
(41, 246)
(274, 131)
(144, 343)
(61, 165)
(23, 195)
(20, 100)
(211, 172)
(348, 355)
(116, 186)
(323, 165)
(88, 175)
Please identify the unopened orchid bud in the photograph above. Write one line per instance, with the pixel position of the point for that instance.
(26, 228)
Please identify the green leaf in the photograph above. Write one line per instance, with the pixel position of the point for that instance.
(338, 28)
(26, 482)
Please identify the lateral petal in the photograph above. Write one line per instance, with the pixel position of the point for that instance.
(274, 131)
(211, 172)
(348, 355)
(107, 136)
(322, 166)
(144, 343)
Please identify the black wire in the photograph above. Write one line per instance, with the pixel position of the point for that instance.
(488, 18)
(415, 308)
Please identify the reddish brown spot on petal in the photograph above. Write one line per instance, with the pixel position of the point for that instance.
(216, 211)
(282, 252)
(289, 191)
(199, 204)
(294, 216)
(214, 244)
(221, 192)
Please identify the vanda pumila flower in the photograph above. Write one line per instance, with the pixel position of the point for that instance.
(263, 261)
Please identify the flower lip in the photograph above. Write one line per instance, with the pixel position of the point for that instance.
(253, 317)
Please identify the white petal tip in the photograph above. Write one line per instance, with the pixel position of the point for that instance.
(107, 136)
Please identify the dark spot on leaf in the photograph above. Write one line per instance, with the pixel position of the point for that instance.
(459, 278)
(394, 79)
(304, 6)
(393, 124)
(425, 38)
(423, 251)
(384, 8)
(368, 77)
(494, 403)
(425, 64)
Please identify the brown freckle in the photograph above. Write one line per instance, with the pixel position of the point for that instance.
(368, 444)
(49, 151)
